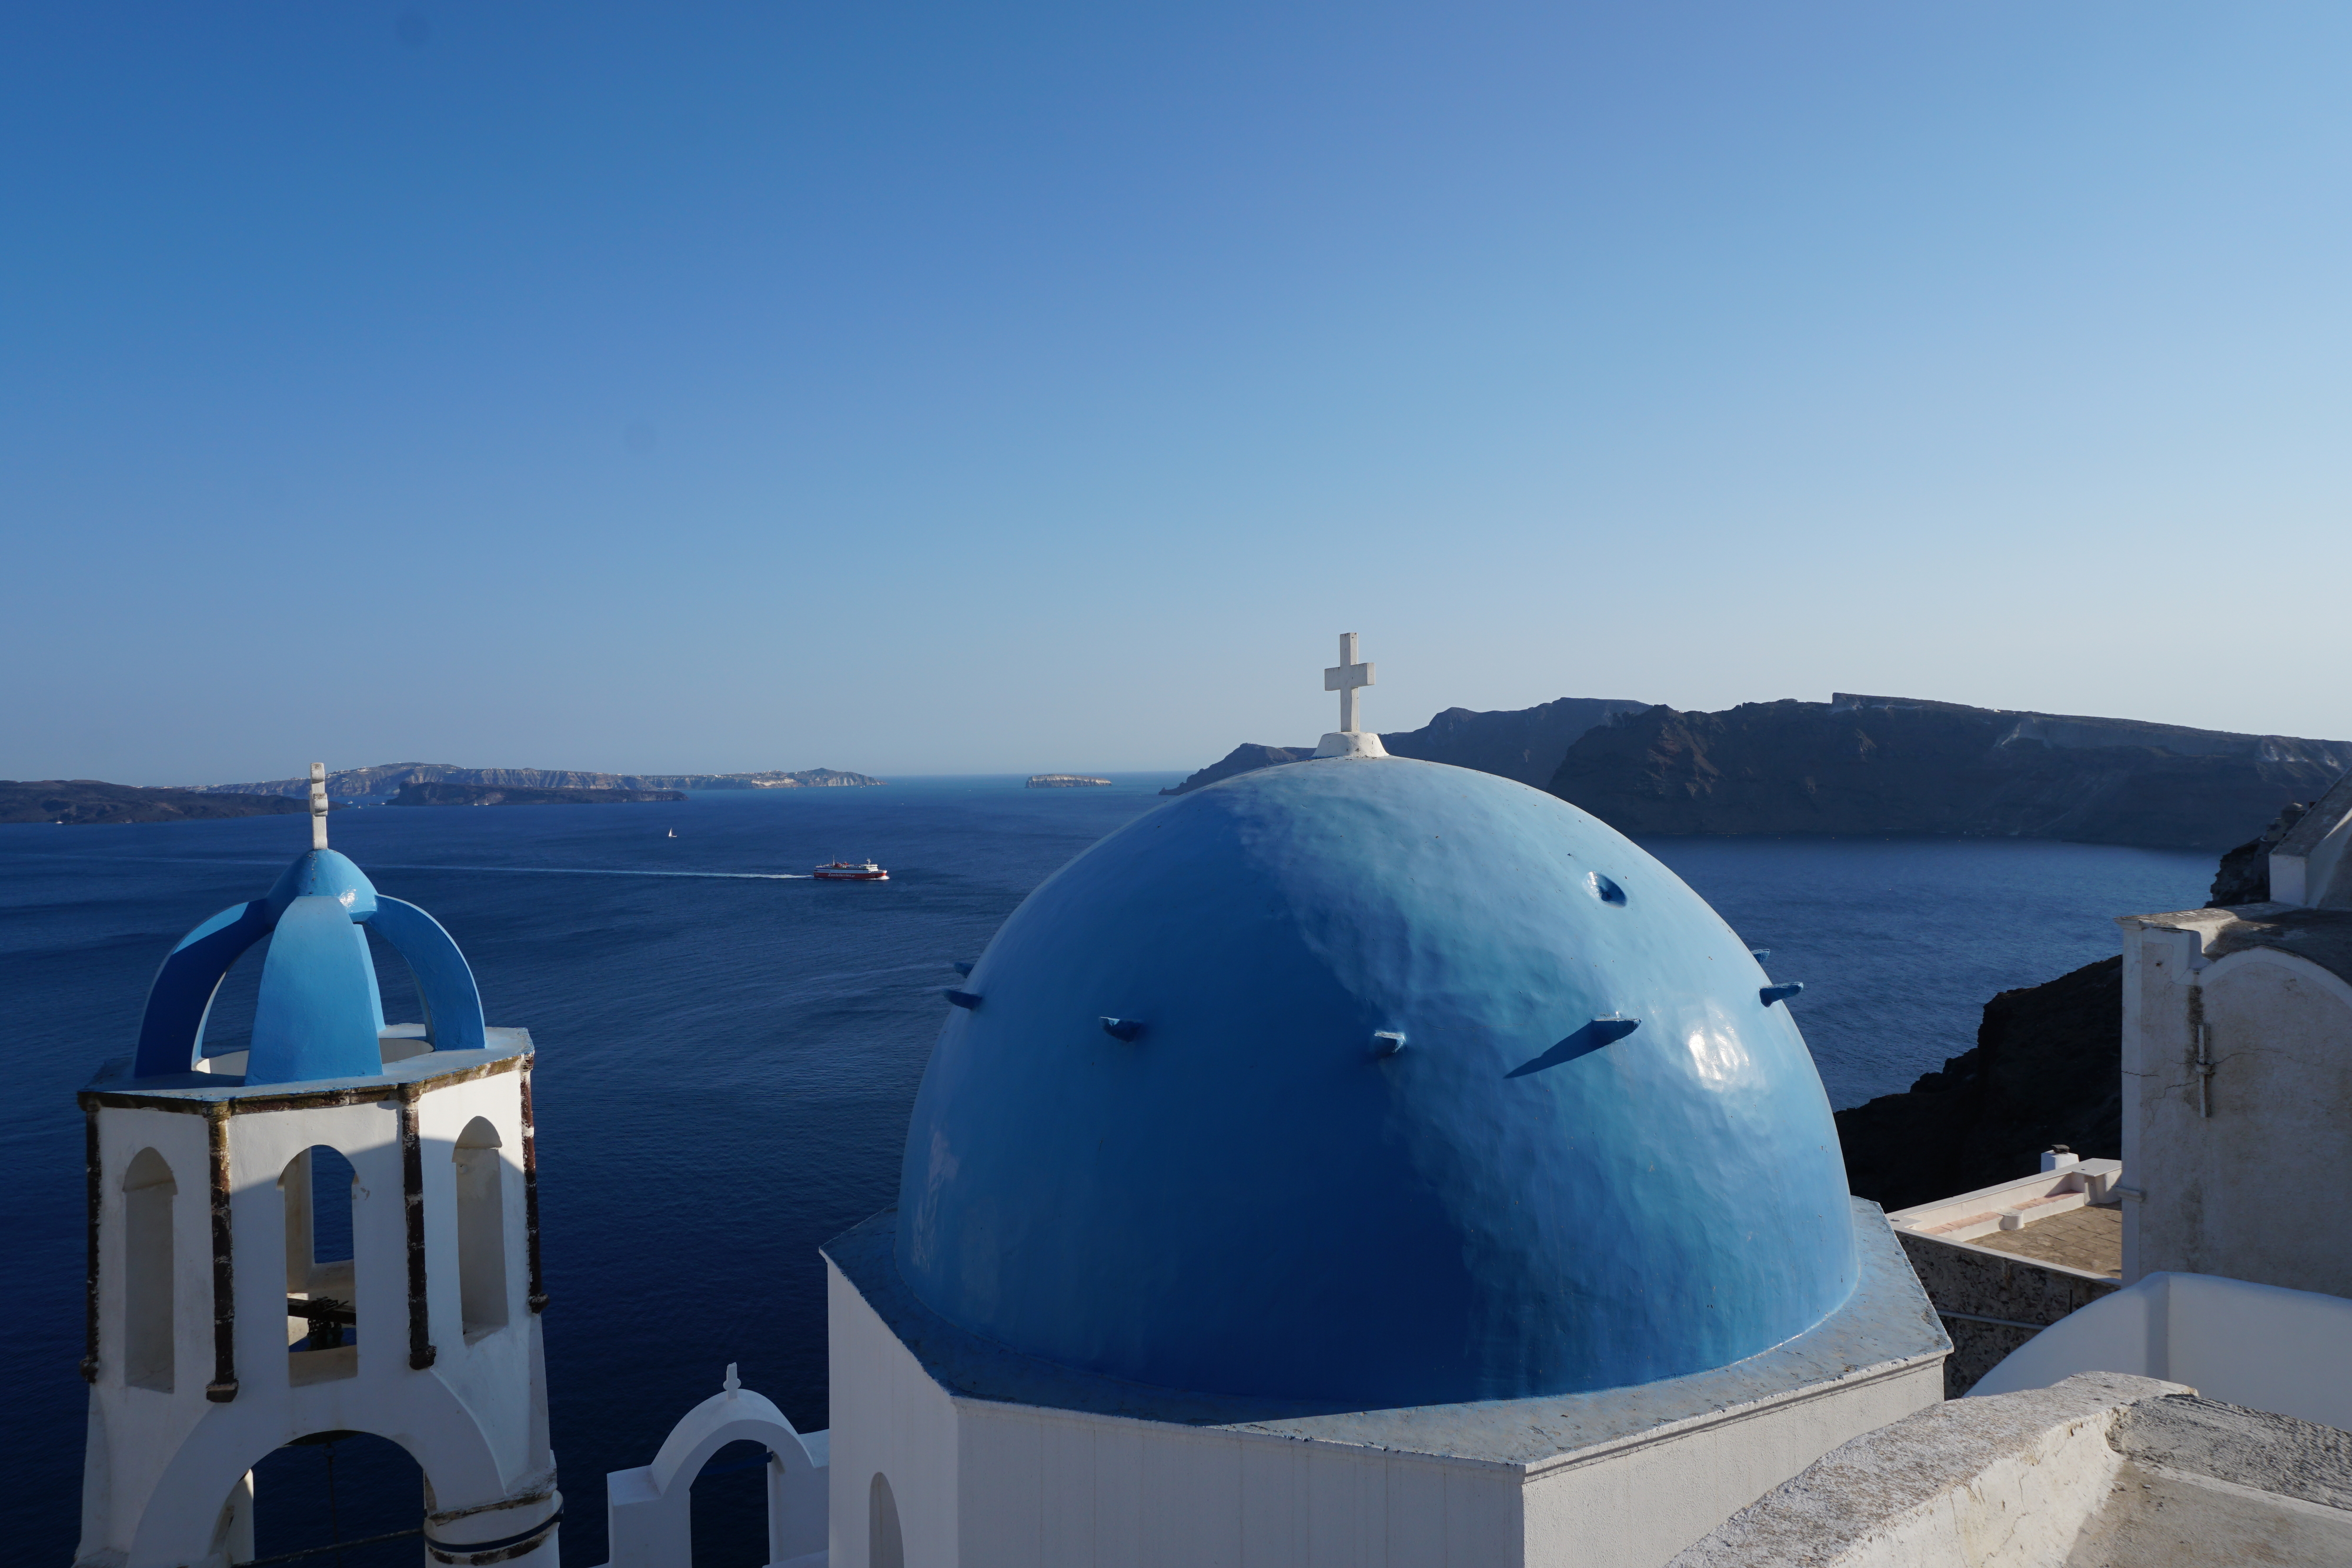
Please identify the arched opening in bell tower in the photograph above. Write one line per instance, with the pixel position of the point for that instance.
(481, 1229)
(148, 1190)
(321, 1290)
(352, 1498)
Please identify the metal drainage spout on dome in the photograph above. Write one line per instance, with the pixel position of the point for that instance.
(320, 1014)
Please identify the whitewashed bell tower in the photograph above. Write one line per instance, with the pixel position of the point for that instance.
(216, 1335)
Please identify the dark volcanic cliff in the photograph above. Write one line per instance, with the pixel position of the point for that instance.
(2047, 1069)
(1877, 766)
(2244, 874)
(82, 800)
(1527, 744)
(1247, 757)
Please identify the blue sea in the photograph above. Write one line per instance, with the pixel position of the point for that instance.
(725, 1062)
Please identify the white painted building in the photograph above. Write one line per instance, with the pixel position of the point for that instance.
(2238, 1053)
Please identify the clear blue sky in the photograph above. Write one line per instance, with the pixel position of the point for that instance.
(1005, 388)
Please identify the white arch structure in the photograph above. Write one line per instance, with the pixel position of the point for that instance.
(650, 1511)
(425, 1417)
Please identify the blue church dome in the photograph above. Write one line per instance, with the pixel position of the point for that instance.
(1375, 1083)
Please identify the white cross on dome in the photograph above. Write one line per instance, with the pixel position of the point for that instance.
(1347, 678)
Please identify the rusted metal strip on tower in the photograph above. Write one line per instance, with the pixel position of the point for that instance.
(198, 1104)
(499, 1549)
(96, 1180)
(241, 1105)
(223, 1387)
(480, 1554)
(421, 1353)
(530, 1198)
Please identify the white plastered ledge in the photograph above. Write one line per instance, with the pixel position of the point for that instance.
(2100, 1469)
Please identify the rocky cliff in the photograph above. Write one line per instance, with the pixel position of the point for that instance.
(1526, 744)
(1881, 766)
(2244, 875)
(2047, 1069)
(83, 800)
(1247, 757)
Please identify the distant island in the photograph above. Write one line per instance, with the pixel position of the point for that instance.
(806, 779)
(439, 794)
(82, 802)
(1872, 765)
(389, 777)
(1065, 781)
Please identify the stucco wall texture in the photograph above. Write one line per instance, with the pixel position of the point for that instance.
(2245, 1156)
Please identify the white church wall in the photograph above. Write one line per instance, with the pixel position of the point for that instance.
(1641, 1503)
(2261, 1346)
(2244, 1168)
(1059, 1488)
(983, 1484)
(887, 1418)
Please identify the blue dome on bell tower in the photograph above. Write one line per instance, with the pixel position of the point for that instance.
(320, 1014)
(1374, 1081)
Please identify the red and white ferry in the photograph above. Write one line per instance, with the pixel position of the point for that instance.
(851, 871)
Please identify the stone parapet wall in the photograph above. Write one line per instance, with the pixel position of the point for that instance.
(1991, 1302)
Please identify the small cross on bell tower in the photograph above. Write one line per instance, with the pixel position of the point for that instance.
(1346, 679)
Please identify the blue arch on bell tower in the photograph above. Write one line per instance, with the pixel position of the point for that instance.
(319, 1013)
